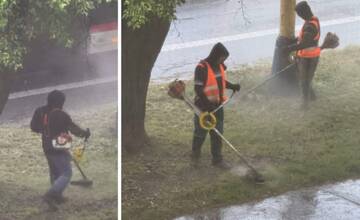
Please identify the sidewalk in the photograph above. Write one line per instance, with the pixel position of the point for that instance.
(330, 202)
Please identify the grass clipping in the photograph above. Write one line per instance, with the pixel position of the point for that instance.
(24, 171)
(291, 148)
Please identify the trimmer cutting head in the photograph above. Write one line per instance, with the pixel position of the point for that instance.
(254, 176)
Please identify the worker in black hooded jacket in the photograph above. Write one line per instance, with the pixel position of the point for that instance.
(307, 51)
(50, 121)
(210, 84)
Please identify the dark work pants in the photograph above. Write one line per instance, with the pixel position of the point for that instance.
(200, 135)
(306, 72)
(60, 172)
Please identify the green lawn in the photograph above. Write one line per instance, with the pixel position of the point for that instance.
(290, 147)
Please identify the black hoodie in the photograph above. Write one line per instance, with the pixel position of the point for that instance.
(216, 52)
(303, 10)
(58, 121)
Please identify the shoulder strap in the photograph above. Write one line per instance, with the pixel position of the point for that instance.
(315, 23)
(46, 121)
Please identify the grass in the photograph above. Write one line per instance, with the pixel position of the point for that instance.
(290, 147)
(24, 171)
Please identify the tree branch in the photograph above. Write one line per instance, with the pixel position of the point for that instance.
(243, 12)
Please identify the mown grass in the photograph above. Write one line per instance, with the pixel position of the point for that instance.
(290, 147)
(24, 171)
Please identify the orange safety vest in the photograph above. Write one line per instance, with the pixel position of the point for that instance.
(310, 52)
(211, 88)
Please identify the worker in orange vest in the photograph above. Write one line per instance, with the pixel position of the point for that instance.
(210, 85)
(307, 50)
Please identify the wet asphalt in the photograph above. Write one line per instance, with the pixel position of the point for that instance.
(77, 99)
(249, 35)
(339, 201)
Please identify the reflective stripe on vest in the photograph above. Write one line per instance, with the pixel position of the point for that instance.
(211, 88)
(310, 52)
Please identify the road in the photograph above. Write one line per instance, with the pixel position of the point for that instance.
(83, 95)
(249, 36)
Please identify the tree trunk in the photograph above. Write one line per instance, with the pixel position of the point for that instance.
(286, 83)
(140, 48)
(6, 79)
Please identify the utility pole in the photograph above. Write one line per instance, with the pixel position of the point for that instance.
(286, 80)
(287, 18)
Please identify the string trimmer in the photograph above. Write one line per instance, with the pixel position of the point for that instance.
(208, 122)
(331, 41)
(243, 94)
(77, 156)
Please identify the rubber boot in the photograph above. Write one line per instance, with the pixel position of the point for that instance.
(50, 200)
(60, 199)
(196, 150)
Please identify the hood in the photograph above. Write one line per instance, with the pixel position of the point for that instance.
(55, 99)
(303, 10)
(216, 52)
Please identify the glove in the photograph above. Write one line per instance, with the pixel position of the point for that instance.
(87, 133)
(236, 87)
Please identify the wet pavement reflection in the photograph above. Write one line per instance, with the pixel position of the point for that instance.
(330, 202)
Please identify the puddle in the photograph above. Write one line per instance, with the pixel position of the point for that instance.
(339, 201)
